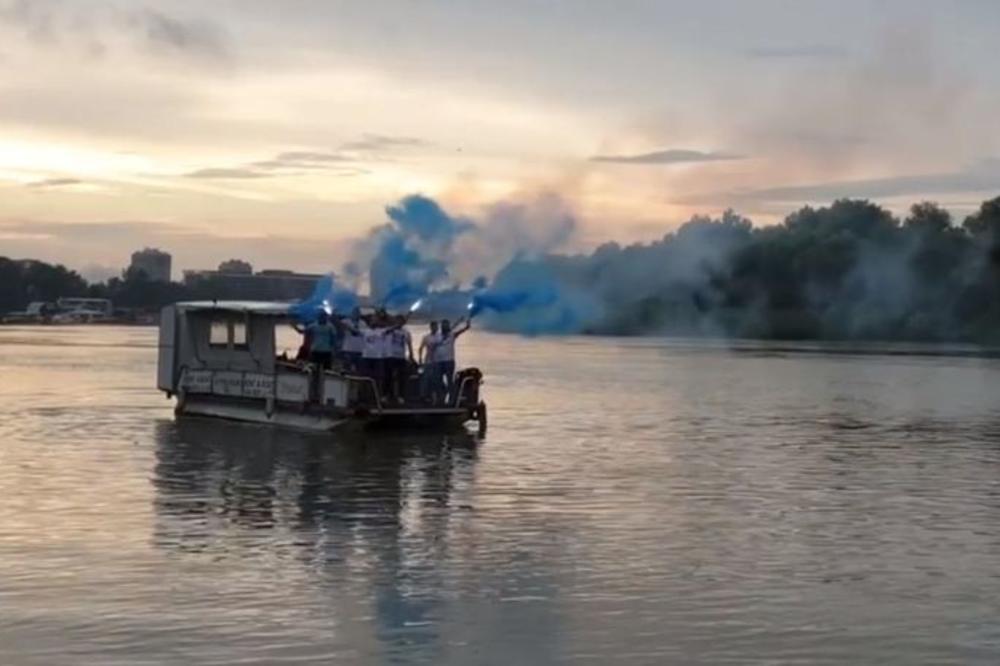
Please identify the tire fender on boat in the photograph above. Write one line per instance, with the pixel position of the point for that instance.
(269, 406)
(479, 413)
(181, 402)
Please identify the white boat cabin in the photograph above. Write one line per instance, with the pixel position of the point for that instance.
(228, 349)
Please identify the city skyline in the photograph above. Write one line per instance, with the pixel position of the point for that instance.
(280, 135)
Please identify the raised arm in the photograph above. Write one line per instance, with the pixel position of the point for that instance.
(458, 331)
(398, 325)
(346, 325)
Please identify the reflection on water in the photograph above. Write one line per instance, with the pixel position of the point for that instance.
(372, 510)
(636, 501)
(251, 477)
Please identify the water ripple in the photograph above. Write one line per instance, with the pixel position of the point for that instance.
(634, 502)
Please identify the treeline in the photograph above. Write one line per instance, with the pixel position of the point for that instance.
(851, 270)
(27, 280)
(24, 281)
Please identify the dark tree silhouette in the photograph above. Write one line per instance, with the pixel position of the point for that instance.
(850, 270)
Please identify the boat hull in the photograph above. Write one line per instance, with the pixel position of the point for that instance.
(316, 420)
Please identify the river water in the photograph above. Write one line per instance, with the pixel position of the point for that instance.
(634, 501)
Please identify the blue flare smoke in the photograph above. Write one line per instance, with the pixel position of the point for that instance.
(402, 296)
(504, 302)
(410, 259)
(527, 297)
(422, 217)
(414, 249)
(326, 296)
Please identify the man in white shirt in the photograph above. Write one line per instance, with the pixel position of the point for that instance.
(430, 376)
(353, 342)
(372, 351)
(399, 355)
(444, 354)
(375, 354)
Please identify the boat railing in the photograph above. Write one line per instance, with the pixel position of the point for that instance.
(254, 384)
(370, 383)
(453, 403)
(460, 391)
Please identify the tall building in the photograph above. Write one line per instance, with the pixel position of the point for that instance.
(153, 262)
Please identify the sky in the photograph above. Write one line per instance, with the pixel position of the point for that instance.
(278, 132)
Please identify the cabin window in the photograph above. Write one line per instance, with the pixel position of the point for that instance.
(219, 336)
(240, 334)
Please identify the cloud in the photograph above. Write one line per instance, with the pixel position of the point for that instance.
(337, 160)
(227, 173)
(35, 19)
(302, 159)
(906, 102)
(289, 163)
(379, 142)
(102, 104)
(304, 156)
(93, 29)
(109, 244)
(53, 182)
(168, 34)
(87, 231)
(800, 52)
(668, 156)
(983, 176)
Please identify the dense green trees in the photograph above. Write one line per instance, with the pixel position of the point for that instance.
(850, 270)
(135, 290)
(24, 281)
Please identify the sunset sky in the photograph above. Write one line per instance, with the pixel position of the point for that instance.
(278, 131)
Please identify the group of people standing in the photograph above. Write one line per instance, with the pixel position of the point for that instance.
(379, 346)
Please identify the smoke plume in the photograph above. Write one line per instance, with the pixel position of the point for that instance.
(851, 270)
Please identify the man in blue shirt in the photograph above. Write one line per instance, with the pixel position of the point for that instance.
(322, 336)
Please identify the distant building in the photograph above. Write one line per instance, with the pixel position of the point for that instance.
(242, 284)
(154, 263)
(236, 267)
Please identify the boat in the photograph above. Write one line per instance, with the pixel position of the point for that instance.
(219, 359)
(64, 311)
(37, 312)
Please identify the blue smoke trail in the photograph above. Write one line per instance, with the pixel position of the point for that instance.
(527, 297)
(412, 249)
(420, 216)
(503, 302)
(402, 296)
(326, 296)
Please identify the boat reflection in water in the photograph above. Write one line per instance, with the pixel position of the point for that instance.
(348, 533)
